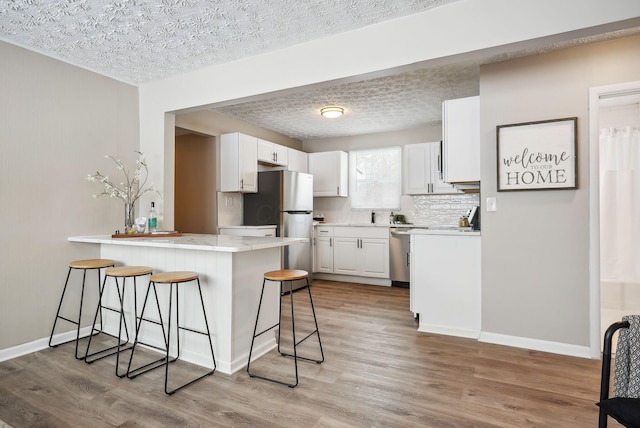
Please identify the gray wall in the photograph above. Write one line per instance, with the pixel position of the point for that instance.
(535, 248)
(56, 124)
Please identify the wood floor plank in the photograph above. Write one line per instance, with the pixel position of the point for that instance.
(379, 372)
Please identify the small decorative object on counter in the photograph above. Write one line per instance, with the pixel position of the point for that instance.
(391, 218)
(129, 191)
(140, 224)
(153, 218)
(463, 222)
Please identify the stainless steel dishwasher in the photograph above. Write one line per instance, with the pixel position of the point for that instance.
(399, 256)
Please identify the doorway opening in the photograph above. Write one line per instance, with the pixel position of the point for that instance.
(615, 206)
(195, 182)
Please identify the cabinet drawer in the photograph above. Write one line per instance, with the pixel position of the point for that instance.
(324, 231)
(361, 232)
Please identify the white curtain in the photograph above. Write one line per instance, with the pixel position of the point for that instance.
(620, 205)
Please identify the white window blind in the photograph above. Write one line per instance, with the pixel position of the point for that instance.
(375, 177)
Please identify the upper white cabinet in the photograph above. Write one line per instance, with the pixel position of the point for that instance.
(423, 170)
(298, 161)
(330, 173)
(238, 163)
(461, 138)
(271, 153)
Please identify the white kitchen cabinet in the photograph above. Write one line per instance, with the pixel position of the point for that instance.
(238, 163)
(362, 251)
(461, 140)
(323, 250)
(298, 160)
(272, 153)
(445, 282)
(330, 173)
(422, 170)
(247, 230)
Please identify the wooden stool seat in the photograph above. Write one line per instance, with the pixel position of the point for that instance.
(169, 277)
(125, 271)
(91, 264)
(286, 275)
(84, 265)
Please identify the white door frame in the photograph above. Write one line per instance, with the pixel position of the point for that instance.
(595, 95)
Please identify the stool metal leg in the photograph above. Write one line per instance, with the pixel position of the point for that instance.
(103, 353)
(132, 373)
(79, 319)
(178, 328)
(293, 328)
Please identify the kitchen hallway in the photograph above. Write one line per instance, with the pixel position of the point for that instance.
(379, 371)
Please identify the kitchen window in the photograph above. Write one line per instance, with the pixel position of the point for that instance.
(375, 177)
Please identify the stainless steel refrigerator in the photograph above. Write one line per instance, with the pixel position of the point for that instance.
(284, 198)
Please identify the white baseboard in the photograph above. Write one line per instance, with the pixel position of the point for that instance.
(536, 345)
(354, 279)
(40, 344)
(449, 331)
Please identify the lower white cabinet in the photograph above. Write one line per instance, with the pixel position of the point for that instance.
(360, 251)
(323, 250)
(445, 283)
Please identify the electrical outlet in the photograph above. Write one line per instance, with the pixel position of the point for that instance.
(492, 204)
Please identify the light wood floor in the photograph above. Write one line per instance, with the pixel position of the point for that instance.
(379, 372)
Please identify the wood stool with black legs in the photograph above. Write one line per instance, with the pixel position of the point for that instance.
(84, 265)
(175, 279)
(120, 272)
(286, 276)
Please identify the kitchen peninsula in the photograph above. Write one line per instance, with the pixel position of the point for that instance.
(231, 269)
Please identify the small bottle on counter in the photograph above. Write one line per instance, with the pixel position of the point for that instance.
(153, 218)
(391, 218)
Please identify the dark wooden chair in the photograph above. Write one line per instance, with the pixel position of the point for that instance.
(624, 410)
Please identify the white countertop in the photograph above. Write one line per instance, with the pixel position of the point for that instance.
(192, 241)
(387, 225)
(456, 232)
(415, 229)
(271, 226)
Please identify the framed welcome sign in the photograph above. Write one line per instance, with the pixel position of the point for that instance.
(537, 155)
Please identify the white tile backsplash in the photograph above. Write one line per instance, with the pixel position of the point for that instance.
(424, 210)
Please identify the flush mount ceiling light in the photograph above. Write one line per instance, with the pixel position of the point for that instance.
(332, 112)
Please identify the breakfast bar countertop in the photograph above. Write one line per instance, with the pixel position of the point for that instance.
(192, 241)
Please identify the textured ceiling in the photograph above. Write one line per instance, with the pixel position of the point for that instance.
(141, 40)
(137, 41)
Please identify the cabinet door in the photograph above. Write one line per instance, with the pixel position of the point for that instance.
(248, 152)
(417, 169)
(265, 151)
(297, 160)
(324, 254)
(423, 170)
(461, 137)
(330, 173)
(345, 256)
(373, 257)
(238, 163)
(272, 153)
(438, 185)
(281, 155)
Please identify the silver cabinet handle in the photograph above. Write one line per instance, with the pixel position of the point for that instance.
(242, 183)
(331, 242)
